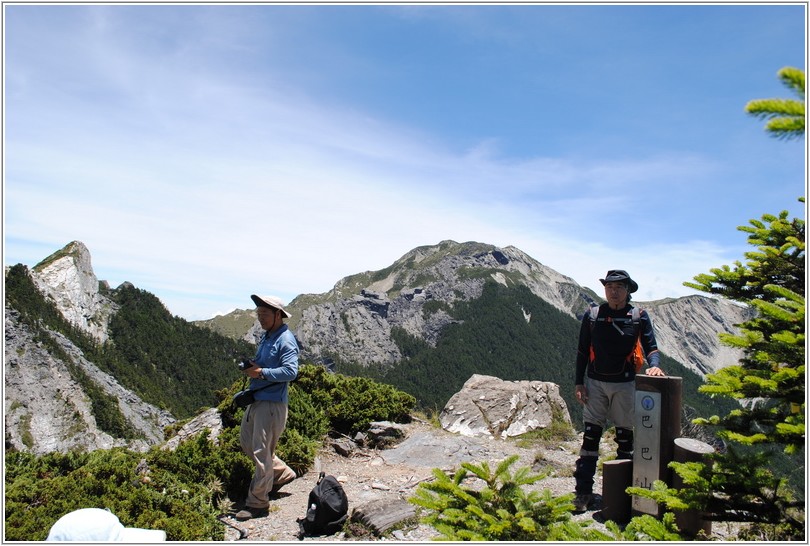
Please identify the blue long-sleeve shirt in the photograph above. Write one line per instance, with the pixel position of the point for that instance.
(277, 356)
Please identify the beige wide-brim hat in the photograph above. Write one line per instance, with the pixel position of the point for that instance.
(270, 301)
(97, 525)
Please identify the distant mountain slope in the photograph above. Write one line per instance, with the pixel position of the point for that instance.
(687, 329)
(233, 325)
(353, 321)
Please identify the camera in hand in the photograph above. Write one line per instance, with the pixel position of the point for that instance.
(244, 364)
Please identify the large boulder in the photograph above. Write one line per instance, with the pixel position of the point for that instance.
(489, 406)
(209, 420)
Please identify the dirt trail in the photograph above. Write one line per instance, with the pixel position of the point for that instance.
(378, 475)
(371, 476)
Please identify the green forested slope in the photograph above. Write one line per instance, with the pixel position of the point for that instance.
(167, 360)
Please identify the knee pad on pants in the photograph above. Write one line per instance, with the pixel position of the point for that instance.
(591, 437)
(624, 442)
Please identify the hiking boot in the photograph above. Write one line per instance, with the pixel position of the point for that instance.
(249, 512)
(581, 502)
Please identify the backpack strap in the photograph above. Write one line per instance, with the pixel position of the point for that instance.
(593, 312)
(635, 314)
(637, 356)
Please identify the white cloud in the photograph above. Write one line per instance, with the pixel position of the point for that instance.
(203, 182)
(189, 224)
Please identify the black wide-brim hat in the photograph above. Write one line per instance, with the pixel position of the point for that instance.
(620, 275)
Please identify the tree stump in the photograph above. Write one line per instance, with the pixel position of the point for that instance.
(617, 476)
(380, 516)
(688, 450)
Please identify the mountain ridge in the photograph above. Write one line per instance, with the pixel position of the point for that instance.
(368, 318)
(436, 276)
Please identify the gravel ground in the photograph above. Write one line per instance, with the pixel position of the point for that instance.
(372, 476)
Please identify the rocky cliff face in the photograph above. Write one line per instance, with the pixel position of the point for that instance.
(46, 409)
(67, 278)
(687, 330)
(354, 320)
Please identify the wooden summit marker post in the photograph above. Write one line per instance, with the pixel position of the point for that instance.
(657, 424)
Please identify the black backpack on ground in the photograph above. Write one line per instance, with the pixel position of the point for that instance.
(327, 508)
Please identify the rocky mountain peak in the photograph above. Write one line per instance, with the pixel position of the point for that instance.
(67, 278)
(414, 293)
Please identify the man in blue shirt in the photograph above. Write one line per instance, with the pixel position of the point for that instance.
(274, 366)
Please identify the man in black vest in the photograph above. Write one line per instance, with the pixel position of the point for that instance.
(605, 375)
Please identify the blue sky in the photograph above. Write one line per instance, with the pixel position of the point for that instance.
(207, 152)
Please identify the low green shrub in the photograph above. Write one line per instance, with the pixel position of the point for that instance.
(304, 416)
(297, 450)
(351, 403)
(38, 492)
(182, 491)
(496, 507)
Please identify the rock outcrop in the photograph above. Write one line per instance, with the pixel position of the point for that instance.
(209, 420)
(489, 406)
(67, 278)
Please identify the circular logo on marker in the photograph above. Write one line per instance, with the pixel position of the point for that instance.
(647, 403)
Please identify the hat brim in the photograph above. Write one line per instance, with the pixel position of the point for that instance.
(633, 285)
(261, 302)
(134, 534)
